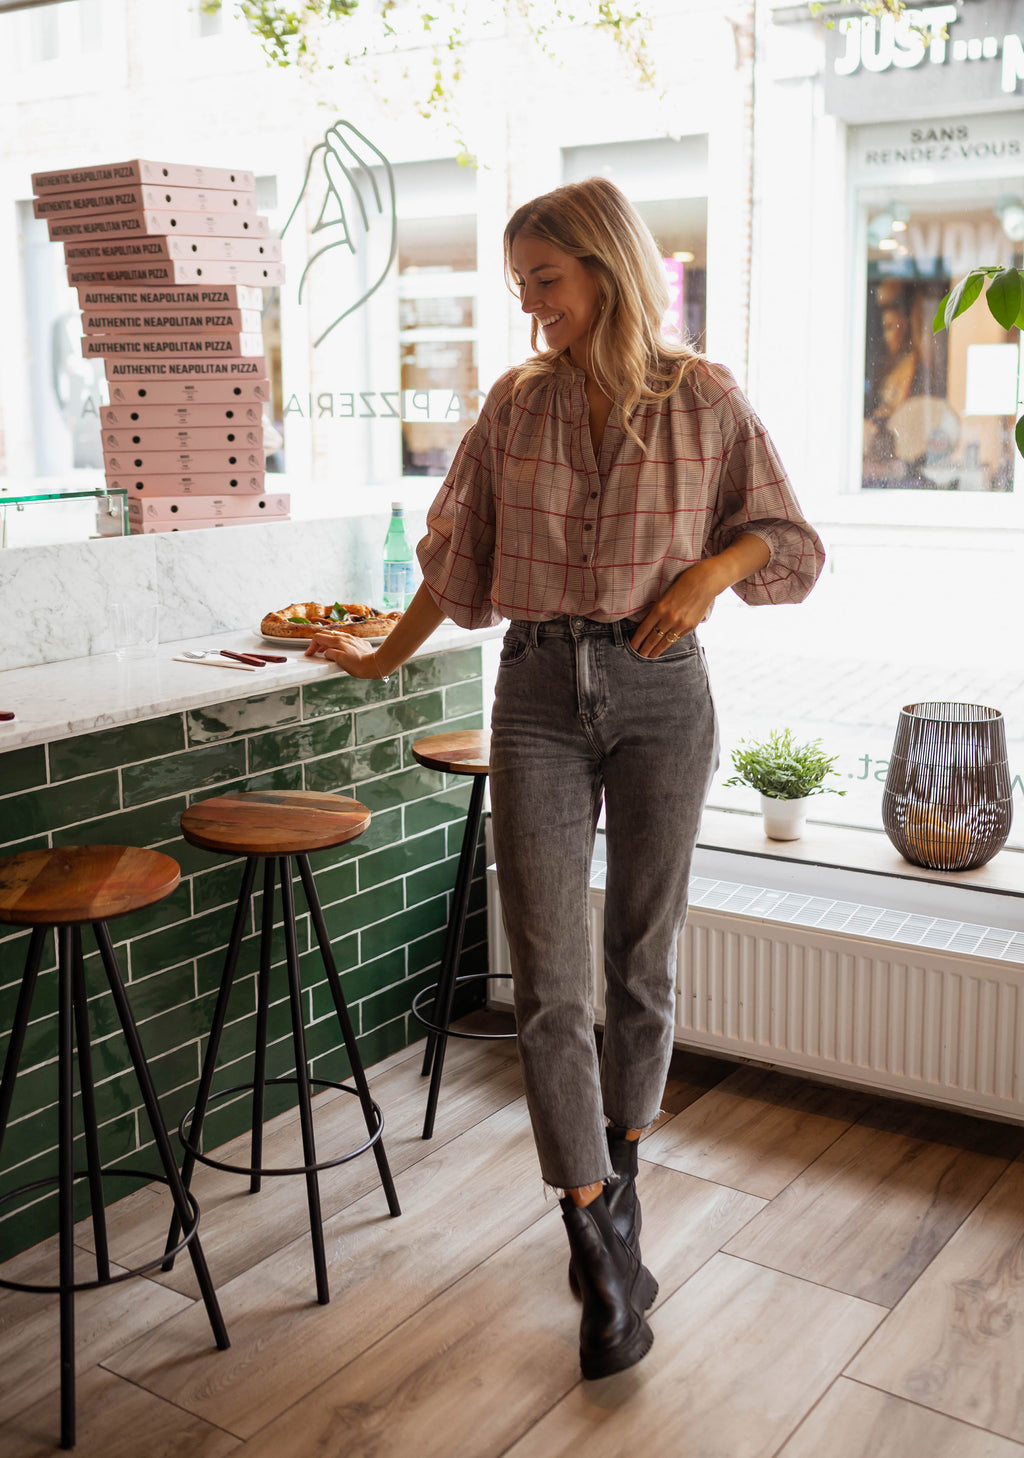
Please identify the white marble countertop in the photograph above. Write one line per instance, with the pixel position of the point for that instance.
(59, 700)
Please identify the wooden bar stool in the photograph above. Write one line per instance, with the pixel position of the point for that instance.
(464, 752)
(63, 889)
(274, 826)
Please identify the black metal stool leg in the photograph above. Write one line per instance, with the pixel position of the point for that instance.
(259, 1079)
(347, 1030)
(22, 1011)
(213, 1045)
(453, 948)
(450, 963)
(90, 1123)
(316, 1231)
(163, 1143)
(66, 1187)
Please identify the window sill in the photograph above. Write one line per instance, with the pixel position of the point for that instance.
(862, 865)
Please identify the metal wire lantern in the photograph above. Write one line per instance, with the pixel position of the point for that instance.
(947, 800)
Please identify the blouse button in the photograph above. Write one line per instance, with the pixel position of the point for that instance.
(589, 527)
(593, 495)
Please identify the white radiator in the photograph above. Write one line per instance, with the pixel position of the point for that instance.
(885, 998)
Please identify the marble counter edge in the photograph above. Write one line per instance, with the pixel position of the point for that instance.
(55, 701)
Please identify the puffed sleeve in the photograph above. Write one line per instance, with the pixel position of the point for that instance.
(755, 497)
(457, 554)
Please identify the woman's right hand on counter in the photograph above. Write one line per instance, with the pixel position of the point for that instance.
(355, 655)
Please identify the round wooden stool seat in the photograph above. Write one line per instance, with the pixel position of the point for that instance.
(274, 822)
(81, 883)
(464, 752)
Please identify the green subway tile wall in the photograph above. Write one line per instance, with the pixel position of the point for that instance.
(385, 900)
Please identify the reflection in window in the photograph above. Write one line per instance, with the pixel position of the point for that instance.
(939, 409)
(666, 181)
(680, 229)
(437, 336)
(65, 390)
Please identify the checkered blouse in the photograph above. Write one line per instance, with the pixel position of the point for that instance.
(529, 525)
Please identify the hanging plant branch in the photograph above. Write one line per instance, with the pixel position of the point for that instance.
(288, 33)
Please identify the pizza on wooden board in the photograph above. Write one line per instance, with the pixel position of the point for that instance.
(304, 619)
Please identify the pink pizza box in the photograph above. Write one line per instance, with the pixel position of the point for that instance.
(143, 528)
(175, 271)
(149, 321)
(206, 483)
(185, 438)
(210, 225)
(137, 391)
(170, 508)
(180, 296)
(113, 201)
(227, 270)
(115, 253)
(185, 369)
(175, 174)
(126, 418)
(228, 344)
(166, 463)
(239, 250)
(101, 252)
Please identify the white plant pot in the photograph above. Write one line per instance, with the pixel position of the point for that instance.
(784, 819)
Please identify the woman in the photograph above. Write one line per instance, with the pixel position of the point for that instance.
(612, 487)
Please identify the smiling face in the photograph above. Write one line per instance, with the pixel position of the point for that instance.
(895, 329)
(559, 292)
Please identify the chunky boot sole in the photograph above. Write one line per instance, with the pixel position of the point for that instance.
(595, 1365)
(618, 1359)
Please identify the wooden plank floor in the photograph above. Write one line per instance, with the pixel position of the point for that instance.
(840, 1275)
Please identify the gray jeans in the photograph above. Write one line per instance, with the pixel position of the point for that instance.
(577, 714)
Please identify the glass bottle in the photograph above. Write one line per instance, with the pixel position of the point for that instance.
(398, 563)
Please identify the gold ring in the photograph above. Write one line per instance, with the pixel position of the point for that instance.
(671, 637)
(658, 632)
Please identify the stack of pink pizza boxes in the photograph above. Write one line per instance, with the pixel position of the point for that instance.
(169, 261)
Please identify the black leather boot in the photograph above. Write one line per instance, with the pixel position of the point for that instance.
(621, 1198)
(615, 1290)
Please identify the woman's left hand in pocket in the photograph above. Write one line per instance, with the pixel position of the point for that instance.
(678, 611)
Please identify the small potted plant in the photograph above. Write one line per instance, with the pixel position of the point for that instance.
(786, 775)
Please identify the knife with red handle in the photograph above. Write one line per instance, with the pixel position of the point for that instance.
(254, 660)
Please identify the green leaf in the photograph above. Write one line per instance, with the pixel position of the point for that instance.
(1018, 435)
(959, 298)
(299, 620)
(1005, 297)
(783, 769)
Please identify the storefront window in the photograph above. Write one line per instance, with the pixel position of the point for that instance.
(666, 180)
(939, 409)
(437, 335)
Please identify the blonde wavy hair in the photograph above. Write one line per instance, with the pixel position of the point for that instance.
(629, 357)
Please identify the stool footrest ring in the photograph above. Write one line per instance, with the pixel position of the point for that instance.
(96, 1285)
(246, 1169)
(416, 1007)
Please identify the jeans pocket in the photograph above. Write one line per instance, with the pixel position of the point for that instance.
(685, 648)
(514, 647)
